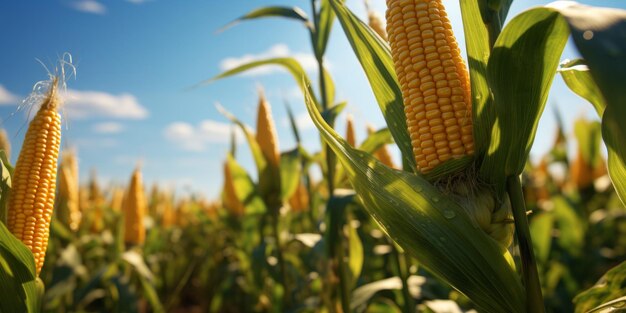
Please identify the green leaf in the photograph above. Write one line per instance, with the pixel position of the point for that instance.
(290, 64)
(289, 172)
(600, 36)
(520, 72)
(375, 58)
(541, 231)
(355, 247)
(151, 295)
(576, 75)
(610, 287)
(429, 226)
(17, 275)
(292, 122)
(478, 51)
(571, 226)
(294, 13)
(245, 188)
(362, 295)
(324, 25)
(588, 135)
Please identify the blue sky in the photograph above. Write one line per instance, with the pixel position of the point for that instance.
(136, 59)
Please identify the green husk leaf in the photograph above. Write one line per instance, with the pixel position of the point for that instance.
(576, 75)
(355, 247)
(520, 72)
(375, 58)
(429, 226)
(478, 51)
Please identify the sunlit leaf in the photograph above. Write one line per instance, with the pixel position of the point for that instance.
(609, 288)
(520, 72)
(289, 173)
(576, 75)
(429, 226)
(17, 275)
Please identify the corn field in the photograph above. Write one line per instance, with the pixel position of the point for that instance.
(442, 210)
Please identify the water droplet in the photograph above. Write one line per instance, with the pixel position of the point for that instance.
(419, 189)
(435, 199)
(449, 214)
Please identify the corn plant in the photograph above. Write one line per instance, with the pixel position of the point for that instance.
(511, 69)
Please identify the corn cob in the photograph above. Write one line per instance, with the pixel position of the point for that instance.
(167, 217)
(34, 180)
(382, 154)
(229, 196)
(434, 81)
(5, 143)
(117, 199)
(134, 210)
(350, 135)
(68, 202)
(299, 201)
(266, 132)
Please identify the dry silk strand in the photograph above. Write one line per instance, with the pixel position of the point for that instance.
(434, 81)
(134, 210)
(31, 201)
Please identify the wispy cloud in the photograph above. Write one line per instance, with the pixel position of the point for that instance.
(198, 137)
(307, 60)
(86, 104)
(138, 1)
(108, 128)
(89, 6)
(6, 97)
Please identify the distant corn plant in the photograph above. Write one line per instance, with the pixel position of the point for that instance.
(134, 208)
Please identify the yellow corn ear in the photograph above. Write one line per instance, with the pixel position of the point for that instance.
(95, 195)
(168, 217)
(134, 210)
(299, 201)
(34, 180)
(350, 135)
(382, 154)
(266, 132)
(5, 143)
(229, 196)
(117, 199)
(68, 209)
(434, 81)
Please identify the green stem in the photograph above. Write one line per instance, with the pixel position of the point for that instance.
(281, 260)
(403, 273)
(534, 298)
(344, 281)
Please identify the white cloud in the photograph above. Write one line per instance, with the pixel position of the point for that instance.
(85, 104)
(89, 6)
(108, 128)
(303, 121)
(137, 1)
(307, 60)
(199, 137)
(6, 97)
